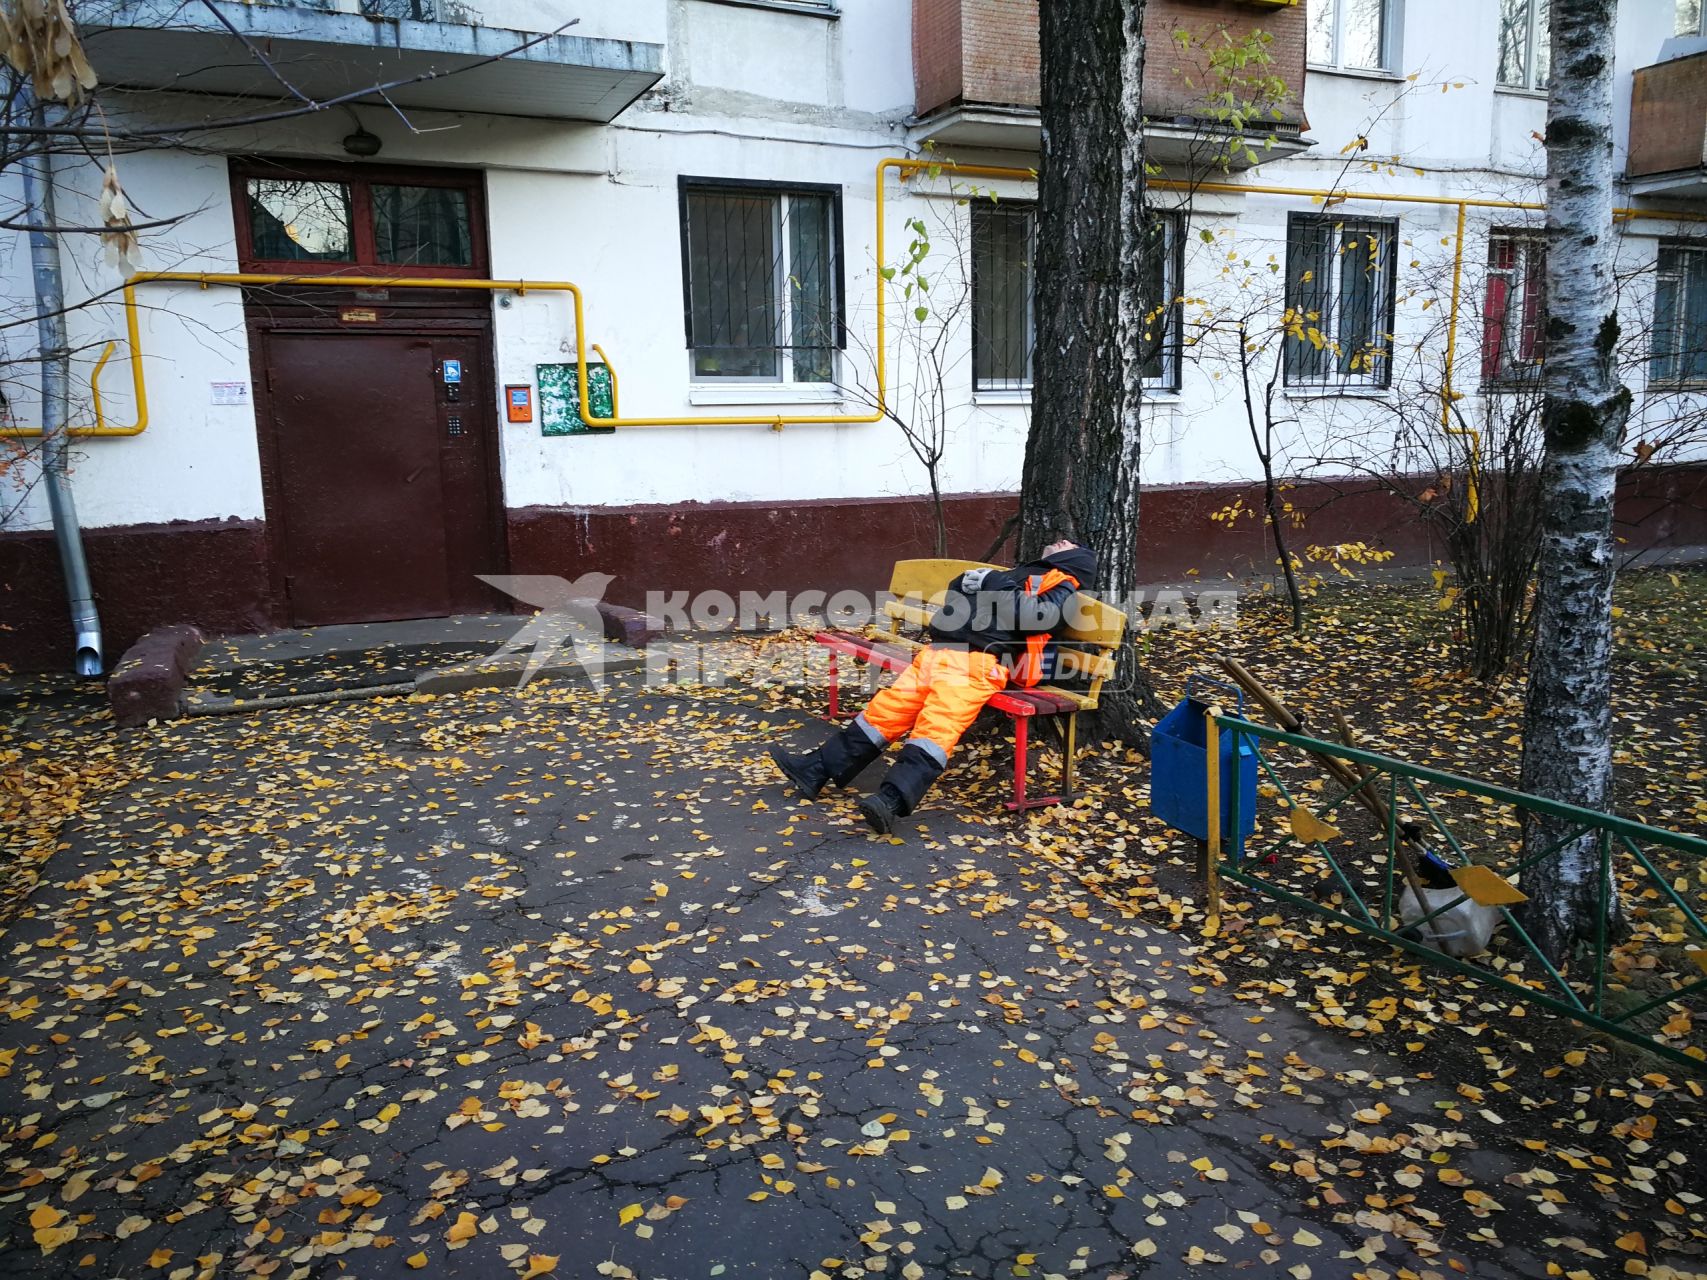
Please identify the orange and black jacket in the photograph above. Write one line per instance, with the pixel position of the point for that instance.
(1012, 612)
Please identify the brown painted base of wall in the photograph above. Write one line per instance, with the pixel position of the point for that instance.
(853, 543)
(213, 574)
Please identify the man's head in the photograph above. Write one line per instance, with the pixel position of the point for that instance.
(1074, 558)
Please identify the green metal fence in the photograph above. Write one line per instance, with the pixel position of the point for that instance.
(1416, 801)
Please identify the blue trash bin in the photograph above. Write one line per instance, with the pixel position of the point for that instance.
(1179, 758)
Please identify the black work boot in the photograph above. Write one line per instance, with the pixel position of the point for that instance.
(909, 778)
(839, 760)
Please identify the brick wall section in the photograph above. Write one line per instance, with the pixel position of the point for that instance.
(1668, 117)
(999, 40)
(1175, 78)
(985, 51)
(936, 54)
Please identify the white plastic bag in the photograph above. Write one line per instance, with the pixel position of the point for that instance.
(1464, 931)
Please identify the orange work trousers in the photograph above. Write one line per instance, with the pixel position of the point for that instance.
(938, 697)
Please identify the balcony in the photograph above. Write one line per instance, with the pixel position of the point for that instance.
(976, 77)
(1668, 129)
(328, 48)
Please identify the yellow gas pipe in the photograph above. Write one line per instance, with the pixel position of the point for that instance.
(1472, 473)
(901, 166)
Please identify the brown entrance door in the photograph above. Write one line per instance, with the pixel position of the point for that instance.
(381, 474)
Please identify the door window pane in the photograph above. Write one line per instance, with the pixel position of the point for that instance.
(422, 226)
(295, 221)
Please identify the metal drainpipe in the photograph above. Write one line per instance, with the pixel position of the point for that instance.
(55, 354)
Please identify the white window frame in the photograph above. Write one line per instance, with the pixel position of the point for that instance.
(783, 198)
(1382, 294)
(1391, 12)
(1535, 38)
(1167, 381)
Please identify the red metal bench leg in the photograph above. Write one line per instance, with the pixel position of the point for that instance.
(1022, 740)
(1022, 725)
(837, 711)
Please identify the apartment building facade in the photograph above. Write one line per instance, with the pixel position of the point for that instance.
(373, 346)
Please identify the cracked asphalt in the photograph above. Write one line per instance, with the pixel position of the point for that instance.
(552, 983)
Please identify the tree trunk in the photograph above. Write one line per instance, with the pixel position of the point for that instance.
(939, 517)
(1262, 440)
(1081, 456)
(1567, 740)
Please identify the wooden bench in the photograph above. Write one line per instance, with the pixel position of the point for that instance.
(918, 587)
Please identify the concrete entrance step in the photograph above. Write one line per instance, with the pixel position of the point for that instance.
(429, 655)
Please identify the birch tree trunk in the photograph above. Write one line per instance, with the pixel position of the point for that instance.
(1567, 739)
(1081, 456)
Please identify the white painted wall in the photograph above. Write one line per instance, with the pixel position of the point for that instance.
(763, 94)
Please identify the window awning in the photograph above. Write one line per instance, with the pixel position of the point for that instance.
(171, 46)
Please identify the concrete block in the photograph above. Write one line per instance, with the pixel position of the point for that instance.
(148, 683)
(629, 626)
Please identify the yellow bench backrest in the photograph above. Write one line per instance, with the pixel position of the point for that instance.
(919, 585)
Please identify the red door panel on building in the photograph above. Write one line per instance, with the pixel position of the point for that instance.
(380, 474)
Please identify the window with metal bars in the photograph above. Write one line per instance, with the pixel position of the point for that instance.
(1679, 355)
(1340, 274)
(1004, 239)
(1514, 308)
(762, 281)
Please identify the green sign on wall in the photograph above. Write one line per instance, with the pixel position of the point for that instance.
(560, 399)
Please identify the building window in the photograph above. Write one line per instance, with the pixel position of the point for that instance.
(1340, 274)
(1514, 310)
(762, 280)
(1004, 237)
(1680, 316)
(1351, 35)
(1164, 311)
(326, 218)
(1524, 47)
